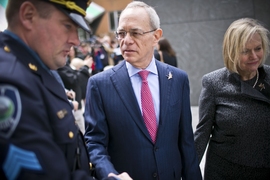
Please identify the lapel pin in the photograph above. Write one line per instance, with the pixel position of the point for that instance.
(261, 86)
(169, 75)
(32, 66)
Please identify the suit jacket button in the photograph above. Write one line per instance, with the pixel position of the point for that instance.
(154, 175)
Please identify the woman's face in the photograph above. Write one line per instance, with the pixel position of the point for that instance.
(251, 56)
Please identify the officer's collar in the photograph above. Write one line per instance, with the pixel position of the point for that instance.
(35, 55)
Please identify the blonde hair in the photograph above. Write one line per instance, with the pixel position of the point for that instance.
(236, 37)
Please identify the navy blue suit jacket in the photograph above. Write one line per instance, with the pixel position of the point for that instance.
(117, 138)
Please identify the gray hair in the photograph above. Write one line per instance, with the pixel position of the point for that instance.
(154, 19)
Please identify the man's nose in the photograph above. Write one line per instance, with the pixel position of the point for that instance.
(128, 38)
(74, 39)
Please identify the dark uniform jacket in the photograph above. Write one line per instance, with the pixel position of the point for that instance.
(38, 135)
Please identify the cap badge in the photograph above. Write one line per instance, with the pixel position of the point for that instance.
(70, 5)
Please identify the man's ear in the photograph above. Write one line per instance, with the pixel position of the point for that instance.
(28, 13)
(158, 34)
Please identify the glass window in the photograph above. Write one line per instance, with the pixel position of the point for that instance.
(114, 17)
(83, 35)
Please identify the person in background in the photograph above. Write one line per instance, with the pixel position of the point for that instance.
(72, 54)
(165, 52)
(70, 93)
(116, 55)
(85, 50)
(107, 49)
(234, 107)
(149, 138)
(99, 56)
(38, 136)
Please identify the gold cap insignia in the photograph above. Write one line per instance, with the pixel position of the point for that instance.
(32, 66)
(70, 5)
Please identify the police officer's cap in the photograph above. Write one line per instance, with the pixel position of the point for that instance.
(75, 9)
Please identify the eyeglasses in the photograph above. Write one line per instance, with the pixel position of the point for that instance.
(136, 33)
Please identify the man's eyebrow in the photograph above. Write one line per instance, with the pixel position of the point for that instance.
(132, 29)
(120, 29)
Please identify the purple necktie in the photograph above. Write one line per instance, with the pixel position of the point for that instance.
(148, 110)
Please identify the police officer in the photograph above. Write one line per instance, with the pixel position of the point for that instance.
(38, 136)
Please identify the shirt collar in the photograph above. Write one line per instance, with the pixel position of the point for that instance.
(35, 55)
(152, 68)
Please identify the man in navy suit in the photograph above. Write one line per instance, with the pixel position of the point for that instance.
(117, 137)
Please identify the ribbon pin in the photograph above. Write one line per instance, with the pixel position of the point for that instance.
(169, 75)
(261, 86)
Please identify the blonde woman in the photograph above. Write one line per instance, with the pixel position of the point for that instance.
(234, 107)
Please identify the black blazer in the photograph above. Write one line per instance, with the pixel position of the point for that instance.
(235, 119)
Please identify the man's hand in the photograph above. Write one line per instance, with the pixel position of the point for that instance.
(71, 94)
(75, 105)
(88, 61)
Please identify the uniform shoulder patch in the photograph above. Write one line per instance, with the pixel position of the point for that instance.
(10, 109)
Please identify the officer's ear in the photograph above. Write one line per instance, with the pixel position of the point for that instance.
(27, 14)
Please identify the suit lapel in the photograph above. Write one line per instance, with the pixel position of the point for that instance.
(251, 92)
(126, 93)
(165, 85)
